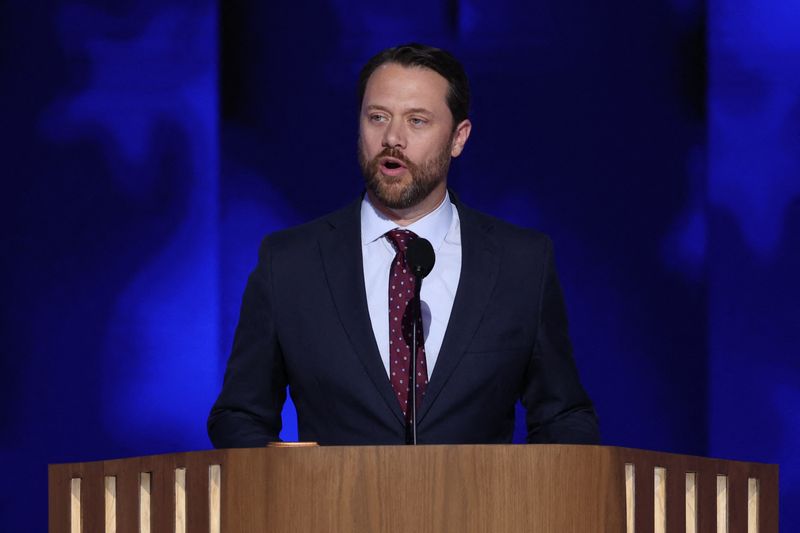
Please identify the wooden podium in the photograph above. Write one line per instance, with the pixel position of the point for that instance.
(430, 489)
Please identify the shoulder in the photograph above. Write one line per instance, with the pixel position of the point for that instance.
(506, 234)
(307, 234)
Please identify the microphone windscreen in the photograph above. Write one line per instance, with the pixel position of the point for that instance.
(420, 257)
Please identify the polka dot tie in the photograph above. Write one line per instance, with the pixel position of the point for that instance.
(402, 284)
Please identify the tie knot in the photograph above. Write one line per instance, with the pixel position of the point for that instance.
(401, 238)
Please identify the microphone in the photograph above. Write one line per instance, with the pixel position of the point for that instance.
(420, 258)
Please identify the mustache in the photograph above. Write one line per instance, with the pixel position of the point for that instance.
(394, 153)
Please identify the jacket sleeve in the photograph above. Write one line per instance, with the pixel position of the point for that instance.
(247, 412)
(558, 408)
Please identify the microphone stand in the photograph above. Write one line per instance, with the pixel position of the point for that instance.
(420, 258)
(417, 311)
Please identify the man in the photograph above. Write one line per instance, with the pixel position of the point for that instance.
(328, 310)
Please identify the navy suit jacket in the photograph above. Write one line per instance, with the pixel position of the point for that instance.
(304, 323)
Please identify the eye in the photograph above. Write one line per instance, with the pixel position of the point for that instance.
(417, 121)
(378, 118)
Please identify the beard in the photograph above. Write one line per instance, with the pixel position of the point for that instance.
(389, 190)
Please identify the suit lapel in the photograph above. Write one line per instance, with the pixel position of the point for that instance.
(480, 265)
(342, 260)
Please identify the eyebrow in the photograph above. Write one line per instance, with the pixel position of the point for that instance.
(413, 110)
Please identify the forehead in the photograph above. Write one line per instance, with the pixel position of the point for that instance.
(398, 85)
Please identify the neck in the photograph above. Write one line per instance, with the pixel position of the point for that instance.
(405, 217)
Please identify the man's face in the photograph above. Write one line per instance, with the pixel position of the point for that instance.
(406, 135)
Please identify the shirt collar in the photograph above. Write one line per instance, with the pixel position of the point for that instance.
(433, 226)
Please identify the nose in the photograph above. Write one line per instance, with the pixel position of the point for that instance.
(394, 136)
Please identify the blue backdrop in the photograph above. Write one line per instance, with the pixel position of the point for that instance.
(148, 146)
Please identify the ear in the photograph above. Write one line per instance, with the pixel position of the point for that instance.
(460, 137)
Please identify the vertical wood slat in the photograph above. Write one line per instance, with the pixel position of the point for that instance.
(144, 502)
(110, 508)
(214, 498)
(706, 501)
(737, 497)
(75, 524)
(180, 500)
(691, 502)
(162, 492)
(126, 474)
(676, 496)
(645, 502)
(659, 499)
(92, 497)
(752, 505)
(768, 500)
(722, 504)
(630, 498)
(196, 492)
(59, 500)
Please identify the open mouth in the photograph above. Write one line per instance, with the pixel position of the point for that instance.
(392, 166)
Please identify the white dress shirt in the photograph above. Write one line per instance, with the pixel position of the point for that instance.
(443, 229)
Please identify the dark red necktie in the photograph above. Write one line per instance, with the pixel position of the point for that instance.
(402, 284)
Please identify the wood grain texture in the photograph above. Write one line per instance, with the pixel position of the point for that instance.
(180, 500)
(752, 505)
(196, 492)
(630, 498)
(92, 496)
(706, 501)
(722, 504)
(737, 499)
(691, 502)
(768, 500)
(58, 501)
(144, 503)
(660, 499)
(110, 504)
(128, 473)
(214, 499)
(463, 489)
(75, 523)
(706, 471)
(644, 516)
(450, 488)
